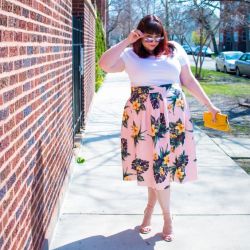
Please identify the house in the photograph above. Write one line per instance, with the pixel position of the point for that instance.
(234, 29)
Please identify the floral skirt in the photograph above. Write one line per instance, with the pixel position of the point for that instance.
(157, 142)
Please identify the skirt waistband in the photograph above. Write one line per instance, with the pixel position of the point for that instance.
(151, 88)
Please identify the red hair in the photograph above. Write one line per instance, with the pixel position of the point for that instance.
(151, 24)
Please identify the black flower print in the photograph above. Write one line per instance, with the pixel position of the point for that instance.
(136, 133)
(126, 175)
(178, 168)
(124, 148)
(158, 128)
(166, 86)
(140, 166)
(138, 96)
(155, 100)
(125, 118)
(177, 134)
(176, 100)
(161, 165)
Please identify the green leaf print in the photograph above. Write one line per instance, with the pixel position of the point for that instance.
(137, 133)
(160, 165)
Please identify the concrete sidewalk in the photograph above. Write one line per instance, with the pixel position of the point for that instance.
(102, 212)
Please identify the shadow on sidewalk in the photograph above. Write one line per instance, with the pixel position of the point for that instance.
(128, 239)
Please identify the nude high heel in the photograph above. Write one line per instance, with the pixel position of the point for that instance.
(167, 232)
(145, 227)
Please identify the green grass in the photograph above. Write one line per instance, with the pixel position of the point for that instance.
(224, 84)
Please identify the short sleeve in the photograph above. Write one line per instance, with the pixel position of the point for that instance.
(181, 54)
(125, 55)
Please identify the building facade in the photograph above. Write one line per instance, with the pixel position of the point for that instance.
(235, 29)
(47, 82)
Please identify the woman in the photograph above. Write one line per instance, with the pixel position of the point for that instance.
(157, 144)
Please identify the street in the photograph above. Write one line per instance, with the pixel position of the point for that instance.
(208, 63)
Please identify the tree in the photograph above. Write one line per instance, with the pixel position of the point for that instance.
(115, 10)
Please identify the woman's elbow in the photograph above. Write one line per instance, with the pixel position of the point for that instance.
(102, 65)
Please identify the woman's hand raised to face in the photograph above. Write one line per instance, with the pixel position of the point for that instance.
(134, 35)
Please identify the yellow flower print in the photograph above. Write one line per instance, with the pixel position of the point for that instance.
(153, 130)
(180, 103)
(135, 130)
(139, 90)
(125, 116)
(180, 127)
(166, 160)
(179, 173)
(173, 135)
(162, 172)
(143, 97)
(136, 105)
(138, 168)
(170, 106)
(126, 178)
(155, 156)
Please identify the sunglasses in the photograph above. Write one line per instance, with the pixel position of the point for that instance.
(151, 39)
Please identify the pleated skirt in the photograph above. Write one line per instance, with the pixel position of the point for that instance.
(157, 141)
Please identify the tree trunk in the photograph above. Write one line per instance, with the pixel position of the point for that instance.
(214, 43)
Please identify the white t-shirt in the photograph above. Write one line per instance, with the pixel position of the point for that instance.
(152, 70)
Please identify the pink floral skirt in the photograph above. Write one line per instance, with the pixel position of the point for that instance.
(157, 142)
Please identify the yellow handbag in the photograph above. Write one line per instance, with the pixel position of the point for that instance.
(221, 122)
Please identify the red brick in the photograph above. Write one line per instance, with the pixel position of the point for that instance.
(16, 9)
(3, 51)
(4, 82)
(7, 6)
(8, 36)
(3, 20)
(4, 143)
(9, 228)
(13, 51)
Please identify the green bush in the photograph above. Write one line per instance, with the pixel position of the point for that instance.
(100, 47)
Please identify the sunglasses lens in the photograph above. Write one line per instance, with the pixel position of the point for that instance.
(150, 39)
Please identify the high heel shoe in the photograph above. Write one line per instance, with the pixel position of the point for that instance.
(167, 232)
(145, 227)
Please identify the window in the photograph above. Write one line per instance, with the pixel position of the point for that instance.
(236, 36)
(221, 37)
(243, 58)
(244, 36)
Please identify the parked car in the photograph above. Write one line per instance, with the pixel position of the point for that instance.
(205, 51)
(225, 61)
(188, 49)
(243, 65)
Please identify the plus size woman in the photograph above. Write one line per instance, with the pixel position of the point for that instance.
(157, 141)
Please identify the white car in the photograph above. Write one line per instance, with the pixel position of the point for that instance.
(226, 61)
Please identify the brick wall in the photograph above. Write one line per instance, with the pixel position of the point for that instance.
(35, 116)
(89, 55)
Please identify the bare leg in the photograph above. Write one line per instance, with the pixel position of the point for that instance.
(163, 197)
(146, 223)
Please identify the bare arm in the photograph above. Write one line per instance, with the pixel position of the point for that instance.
(110, 60)
(193, 86)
